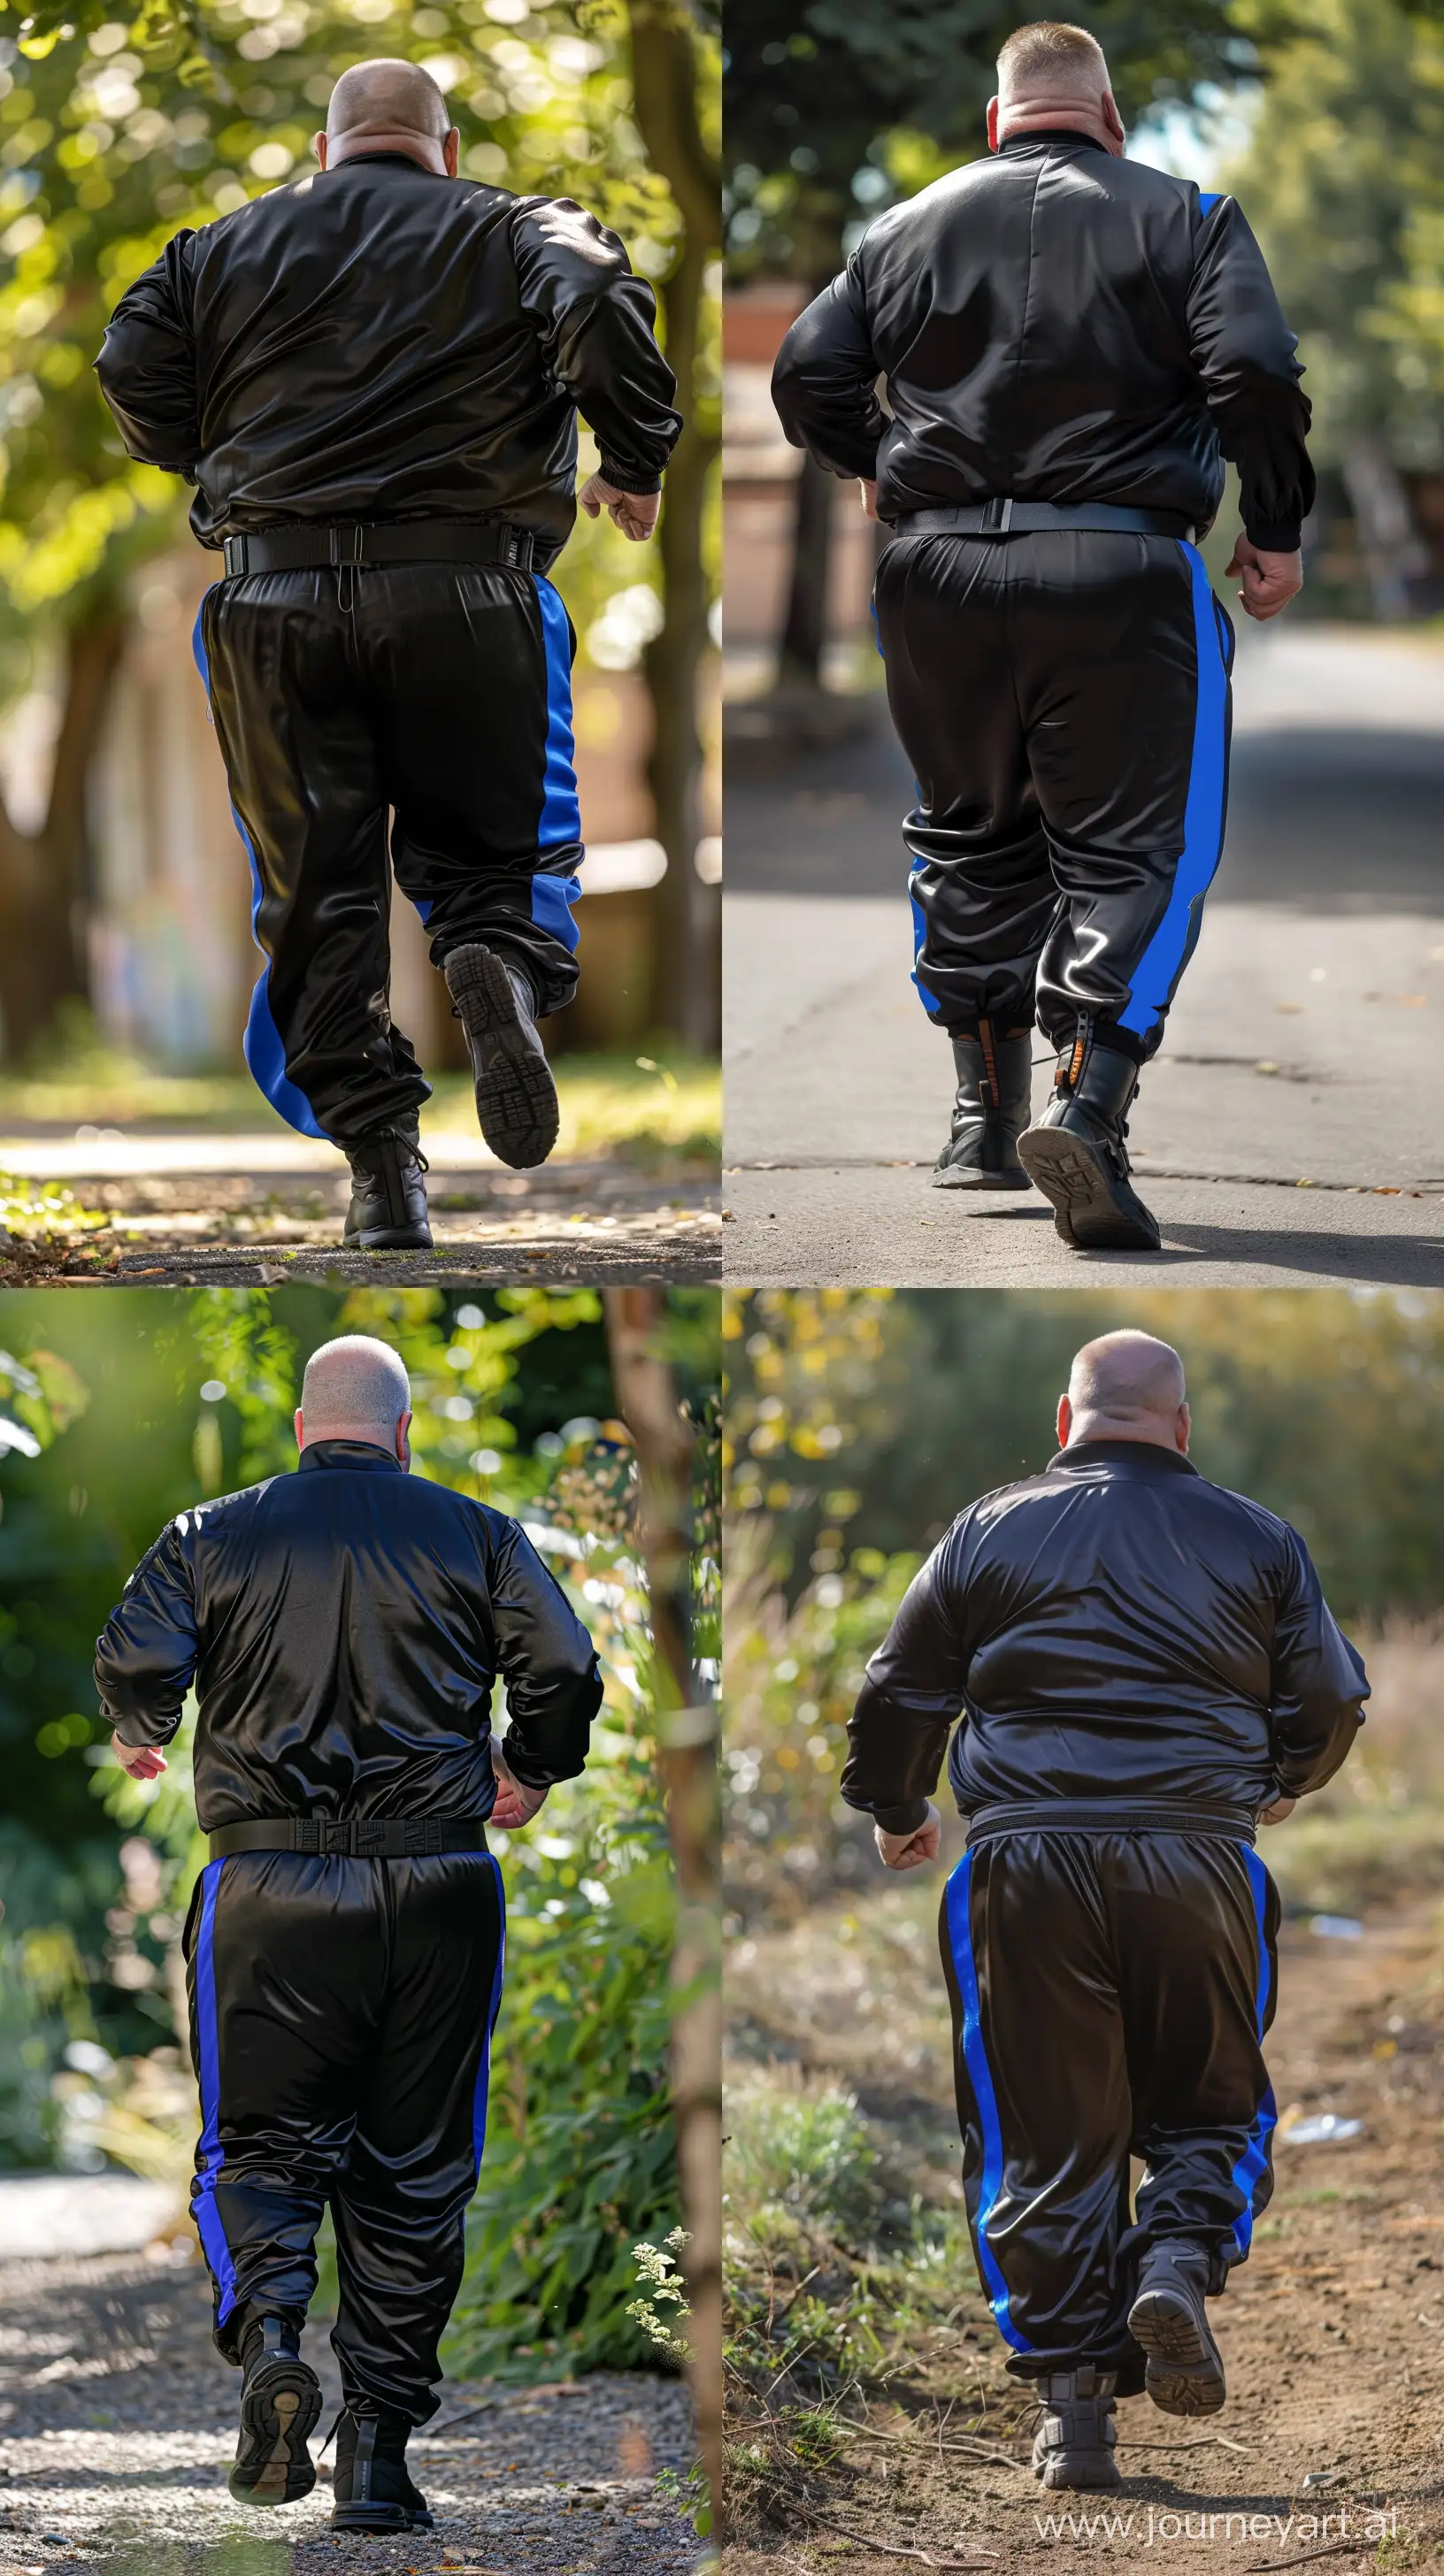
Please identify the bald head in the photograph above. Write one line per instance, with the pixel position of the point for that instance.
(1051, 76)
(355, 1389)
(1125, 1386)
(388, 106)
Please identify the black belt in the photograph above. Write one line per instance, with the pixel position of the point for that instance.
(1018, 518)
(1112, 1816)
(357, 1837)
(403, 541)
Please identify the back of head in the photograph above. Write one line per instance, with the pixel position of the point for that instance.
(386, 97)
(354, 1389)
(1052, 74)
(1125, 1386)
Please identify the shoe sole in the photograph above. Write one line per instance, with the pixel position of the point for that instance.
(1075, 1181)
(380, 2517)
(1088, 2476)
(1185, 2368)
(389, 1238)
(277, 2413)
(954, 1179)
(516, 1098)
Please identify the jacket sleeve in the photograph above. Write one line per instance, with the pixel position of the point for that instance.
(147, 365)
(145, 1658)
(1244, 352)
(1318, 1682)
(912, 1693)
(596, 323)
(824, 384)
(553, 1685)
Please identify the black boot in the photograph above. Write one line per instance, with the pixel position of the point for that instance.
(1168, 2317)
(1077, 1155)
(516, 1098)
(280, 2401)
(995, 1074)
(373, 2491)
(1073, 2446)
(388, 1195)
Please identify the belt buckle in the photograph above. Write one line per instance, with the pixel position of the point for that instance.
(347, 544)
(234, 551)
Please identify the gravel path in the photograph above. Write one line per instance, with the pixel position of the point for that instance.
(117, 2426)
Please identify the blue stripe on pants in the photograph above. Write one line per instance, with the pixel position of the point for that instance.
(1156, 976)
(265, 1055)
(1253, 2163)
(990, 2184)
(210, 2155)
(552, 897)
(483, 2072)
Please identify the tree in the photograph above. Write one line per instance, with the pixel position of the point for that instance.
(837, 108)
(118, 127)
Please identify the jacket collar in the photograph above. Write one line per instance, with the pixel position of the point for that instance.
(359, 1456)
(1143, 1457)
(1041, 137)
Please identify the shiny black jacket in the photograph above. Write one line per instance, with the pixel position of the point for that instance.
(375, 343)
(344, 1627)
(1114, 1628)
(1056, 325)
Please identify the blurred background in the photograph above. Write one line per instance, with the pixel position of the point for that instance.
(1300, 1042)
(126, 959)
(858, 1424)
(594, 1420)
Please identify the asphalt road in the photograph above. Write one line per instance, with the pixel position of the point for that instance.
(1288, 1133)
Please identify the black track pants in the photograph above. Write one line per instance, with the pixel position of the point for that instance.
(1110, 1993)
(341, 2018)
(1063, 698)
(441, 694)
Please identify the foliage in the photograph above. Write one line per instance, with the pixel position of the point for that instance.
(1344, 182)
(662, 2303)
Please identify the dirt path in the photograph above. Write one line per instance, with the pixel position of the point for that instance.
(117, 2425)
(1333, 2334)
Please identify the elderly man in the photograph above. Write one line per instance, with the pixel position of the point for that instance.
(373, 375)
(1145, 1668)
(344, 1628)
(1072, 345)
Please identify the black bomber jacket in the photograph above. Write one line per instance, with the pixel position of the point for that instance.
(1054, 324)
(375, 343)
(344, 1627)
(1116, 1627)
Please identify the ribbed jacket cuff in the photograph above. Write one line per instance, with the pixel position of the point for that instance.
(1280, 537)
(626, 478)
(904, 1819)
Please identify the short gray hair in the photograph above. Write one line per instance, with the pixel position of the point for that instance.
(353, 1385)
(1057, 59)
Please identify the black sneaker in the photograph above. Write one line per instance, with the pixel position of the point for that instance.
(1168, 2317)
(1073, 2446)
(373, 2489)
(1078, 1155)
(280, 2401)
(516, 1098)
(388, 1195)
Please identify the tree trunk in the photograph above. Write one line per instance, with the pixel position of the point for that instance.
(44, 876)
(685, 995)
(804, 629)
(687, 1751)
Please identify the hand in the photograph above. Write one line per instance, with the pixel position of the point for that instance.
(1279, 1812)
(142, 1761)
(1269, 581)
(635, 513)
(911, 1851)
(515, 1804)
(869, 497)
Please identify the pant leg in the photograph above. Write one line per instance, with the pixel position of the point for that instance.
(1043, 2099)
(276, 651)
(286, 1967)
(1121, 654)
(400, 2207)
(1196, 1924)
(468, 673)
(982, 885)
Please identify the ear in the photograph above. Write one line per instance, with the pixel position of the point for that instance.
(1113, 123)
(300, 1436)
(403, 1445)
(451, 151)
(318, 146)
(1065, 1421)
(1182, 1428)
(992, 125)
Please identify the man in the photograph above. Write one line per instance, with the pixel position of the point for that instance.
(344, 1628)
(1145, 1666)
(373, 377)
(1072, 345)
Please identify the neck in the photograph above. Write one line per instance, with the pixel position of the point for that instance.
(1070, 116)
(385, 1440)
(420, 148)
(1157, 1436)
